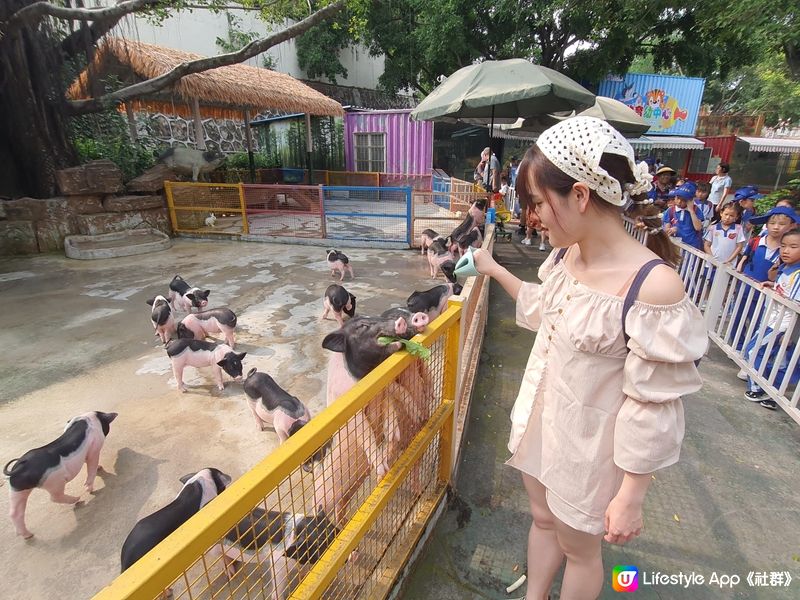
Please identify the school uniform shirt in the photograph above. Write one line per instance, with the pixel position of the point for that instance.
(723, 241)
(787, 284)
(591, 407)
(718, 185)
(659, 196)
(760, 258)
(682, 221)
(705, 211)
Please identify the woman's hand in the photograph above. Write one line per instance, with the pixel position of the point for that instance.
(485, 264)
(623, 520)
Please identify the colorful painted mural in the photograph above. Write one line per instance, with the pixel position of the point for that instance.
(671, 105)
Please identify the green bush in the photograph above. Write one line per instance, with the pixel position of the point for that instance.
(132, 159)
(791, 191)
(105, 135)
(263, 160)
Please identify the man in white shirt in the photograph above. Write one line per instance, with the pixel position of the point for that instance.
(494, 169)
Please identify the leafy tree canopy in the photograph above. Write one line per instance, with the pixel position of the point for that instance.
(425, 39)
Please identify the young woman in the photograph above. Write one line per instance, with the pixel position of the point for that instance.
(597, 411)
(721, 185)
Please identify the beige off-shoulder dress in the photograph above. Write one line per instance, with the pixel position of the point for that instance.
(590, 408)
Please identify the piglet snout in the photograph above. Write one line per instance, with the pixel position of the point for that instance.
(419, 321)
(400, 326)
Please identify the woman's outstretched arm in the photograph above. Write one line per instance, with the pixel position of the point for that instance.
(487, 265)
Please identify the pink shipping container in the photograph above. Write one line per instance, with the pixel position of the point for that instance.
(388, 141)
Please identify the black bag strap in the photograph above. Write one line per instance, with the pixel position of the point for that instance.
(559, 255)
(633, 291)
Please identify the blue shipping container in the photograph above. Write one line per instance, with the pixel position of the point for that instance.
(670, 104)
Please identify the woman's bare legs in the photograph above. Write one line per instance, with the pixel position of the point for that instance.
(544, 552)
(583, 575)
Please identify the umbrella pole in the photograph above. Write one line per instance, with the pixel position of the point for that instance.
(487, 168)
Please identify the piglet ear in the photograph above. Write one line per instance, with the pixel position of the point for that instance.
(187, 477)
(107, 417)
(222, 363)
(151, 301)
(191, 296)
(334, 342)
(206, 293)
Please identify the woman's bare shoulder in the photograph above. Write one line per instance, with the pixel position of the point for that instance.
(663, 286)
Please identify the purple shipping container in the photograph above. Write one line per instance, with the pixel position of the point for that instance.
(407, 146)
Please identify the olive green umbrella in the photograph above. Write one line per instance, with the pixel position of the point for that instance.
(502, 89)
(614, 112)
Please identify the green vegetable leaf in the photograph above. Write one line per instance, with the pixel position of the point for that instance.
(413, 348)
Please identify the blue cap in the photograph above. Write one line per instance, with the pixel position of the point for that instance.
(778, 210)
(691, 185)
(747, 191)
(685, 191)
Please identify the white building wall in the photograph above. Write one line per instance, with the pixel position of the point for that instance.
(197, 31)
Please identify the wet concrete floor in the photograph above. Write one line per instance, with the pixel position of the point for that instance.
(730, 506)
(78, 337)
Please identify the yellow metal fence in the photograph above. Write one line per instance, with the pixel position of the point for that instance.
(191, 204)
(338, 528)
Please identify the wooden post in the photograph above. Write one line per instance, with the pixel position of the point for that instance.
(131, 122)
(309, 149)
(243, 210)
(249, 137)
(199, 136)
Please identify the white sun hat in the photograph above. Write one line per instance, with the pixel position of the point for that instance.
(576, 146)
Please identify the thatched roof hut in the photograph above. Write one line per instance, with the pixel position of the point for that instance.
(224, 92)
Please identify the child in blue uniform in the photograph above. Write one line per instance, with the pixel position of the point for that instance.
(787, 285)
(760, 254)
(705, 209)
(681, 219)
(725, 239)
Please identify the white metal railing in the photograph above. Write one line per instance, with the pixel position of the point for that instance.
(739, 313)
(637, 231)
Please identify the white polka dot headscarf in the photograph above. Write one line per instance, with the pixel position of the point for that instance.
(576, 146)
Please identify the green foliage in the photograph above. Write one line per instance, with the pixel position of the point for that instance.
(238, 39)
(791, 191)
(318, 49)
(263, 160)
(764, 87)
(106, 135)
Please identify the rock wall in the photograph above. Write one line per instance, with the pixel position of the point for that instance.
(92, 201)
(157, 130)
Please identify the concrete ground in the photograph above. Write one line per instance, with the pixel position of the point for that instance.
(78, 337)
(730, 506)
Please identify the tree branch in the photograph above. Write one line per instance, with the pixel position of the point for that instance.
(202, 64)
(36, 11)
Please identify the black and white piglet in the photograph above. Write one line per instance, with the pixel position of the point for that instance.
(433, 302)
(200, 325)
(287, 544)
(338, 300)
(198, 490)
(199, 353)
(52, 466)
(338, 261)
(272, 406)
(161, 316)
(186, 297)
(426, 238)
